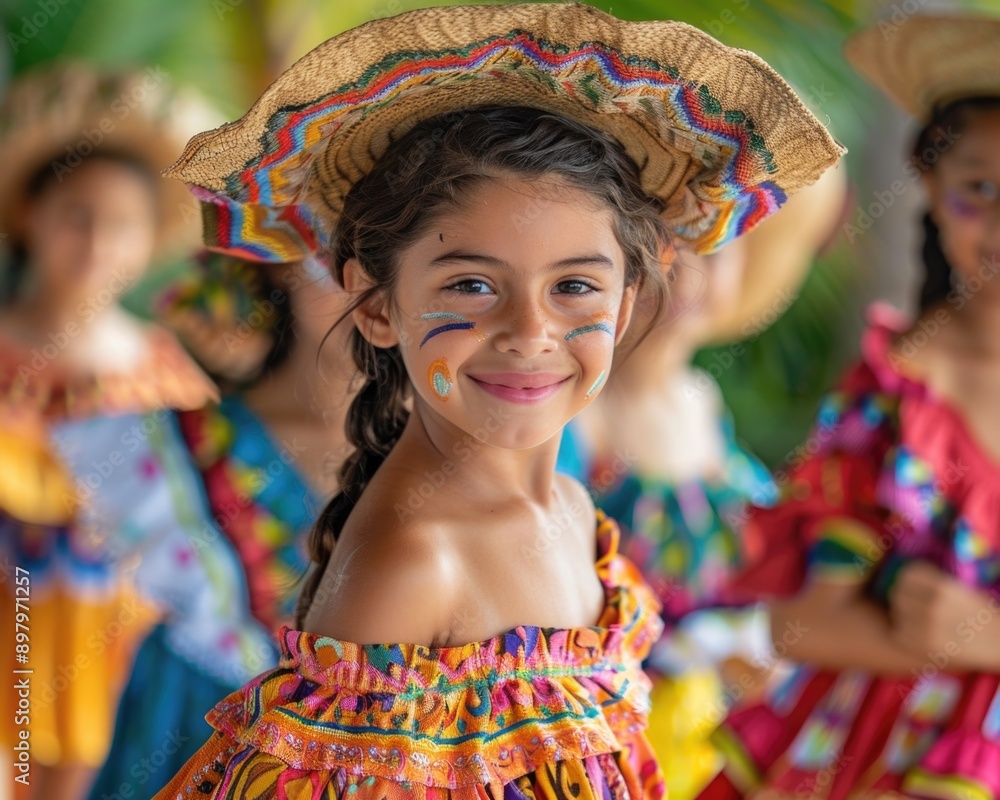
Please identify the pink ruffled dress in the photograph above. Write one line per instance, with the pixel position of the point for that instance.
(891, 474)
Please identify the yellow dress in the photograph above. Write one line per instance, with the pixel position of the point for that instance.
(82, 618)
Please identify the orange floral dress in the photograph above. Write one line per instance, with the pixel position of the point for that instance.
(531, 713)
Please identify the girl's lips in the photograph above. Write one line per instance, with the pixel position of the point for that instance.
(520, 388)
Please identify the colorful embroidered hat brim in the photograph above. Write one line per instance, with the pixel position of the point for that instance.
(720, 137)
(60, 113)
(926, 62)
(777, 256)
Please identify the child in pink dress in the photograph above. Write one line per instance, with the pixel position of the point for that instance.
(887, 543)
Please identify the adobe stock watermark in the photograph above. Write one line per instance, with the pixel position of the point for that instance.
(119, 110)
(462, 451)
(722, 360)
(146, 767)
(87, 311)
(900, 13)
(97, 644)
(727, 16)
(884, 199)
(938, 660)
(33, 24)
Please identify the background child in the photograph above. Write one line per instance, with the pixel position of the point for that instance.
(264, 461)
(84, 221)
(890, 520)
(665, 464)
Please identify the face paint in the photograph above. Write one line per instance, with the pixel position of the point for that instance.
(961, 207)
(440, 378)
(462, 325)
(595, 387)
(442, 315)
(451, 326)
(607, 324)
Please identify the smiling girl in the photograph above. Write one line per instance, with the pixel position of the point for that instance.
(471, 629)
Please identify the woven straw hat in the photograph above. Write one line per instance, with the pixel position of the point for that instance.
(720, 138)
(60, 113)
(926, 62)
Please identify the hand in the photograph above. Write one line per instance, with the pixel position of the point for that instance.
(956, 628)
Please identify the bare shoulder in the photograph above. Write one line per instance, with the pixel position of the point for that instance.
(580, 507)
(387, 582)
(933, 351)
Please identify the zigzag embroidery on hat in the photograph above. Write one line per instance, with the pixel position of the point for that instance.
(263, 216)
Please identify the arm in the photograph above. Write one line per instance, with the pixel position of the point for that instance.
(832, 625)
(936, 615)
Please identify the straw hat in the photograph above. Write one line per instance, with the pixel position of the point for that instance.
(60, 113)
(926, 62)
(721, 139)
(776, 256)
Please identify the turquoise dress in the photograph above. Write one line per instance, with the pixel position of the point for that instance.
(181, 669)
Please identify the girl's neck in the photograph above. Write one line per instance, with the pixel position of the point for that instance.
(311, 382)
(979, 321)
(482, 473)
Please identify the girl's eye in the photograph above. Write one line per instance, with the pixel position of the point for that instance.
(470, 286)
(984, 190)
(574, 287)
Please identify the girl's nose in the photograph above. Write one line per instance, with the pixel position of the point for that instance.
(524, 329)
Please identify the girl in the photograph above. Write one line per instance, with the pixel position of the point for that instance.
(897, 620)
(85, 216)
(469, 629)
(263, 457)
(666, 465)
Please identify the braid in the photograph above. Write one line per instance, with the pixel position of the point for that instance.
(937, 270)
(375, 422)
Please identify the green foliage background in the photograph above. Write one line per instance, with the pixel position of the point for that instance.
(231, 49)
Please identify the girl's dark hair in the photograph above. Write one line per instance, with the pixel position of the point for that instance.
(423, 174)
(18, 258)
(933, 140)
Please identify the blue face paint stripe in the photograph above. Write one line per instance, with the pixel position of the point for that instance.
(597, 326)
(452, 326)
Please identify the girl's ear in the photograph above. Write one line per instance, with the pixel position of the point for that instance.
(371, 317)
(625, 311)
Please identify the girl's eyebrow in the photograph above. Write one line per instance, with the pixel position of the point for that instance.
(591, 259)
(973, 161)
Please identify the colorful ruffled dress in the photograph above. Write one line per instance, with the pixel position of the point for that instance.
(530, 713)
(84, 617)
(686, 539)
(894, 475)
(249, 511)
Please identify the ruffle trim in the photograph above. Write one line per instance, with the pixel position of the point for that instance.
(32, 383)
(480, 713)
(934, 430)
